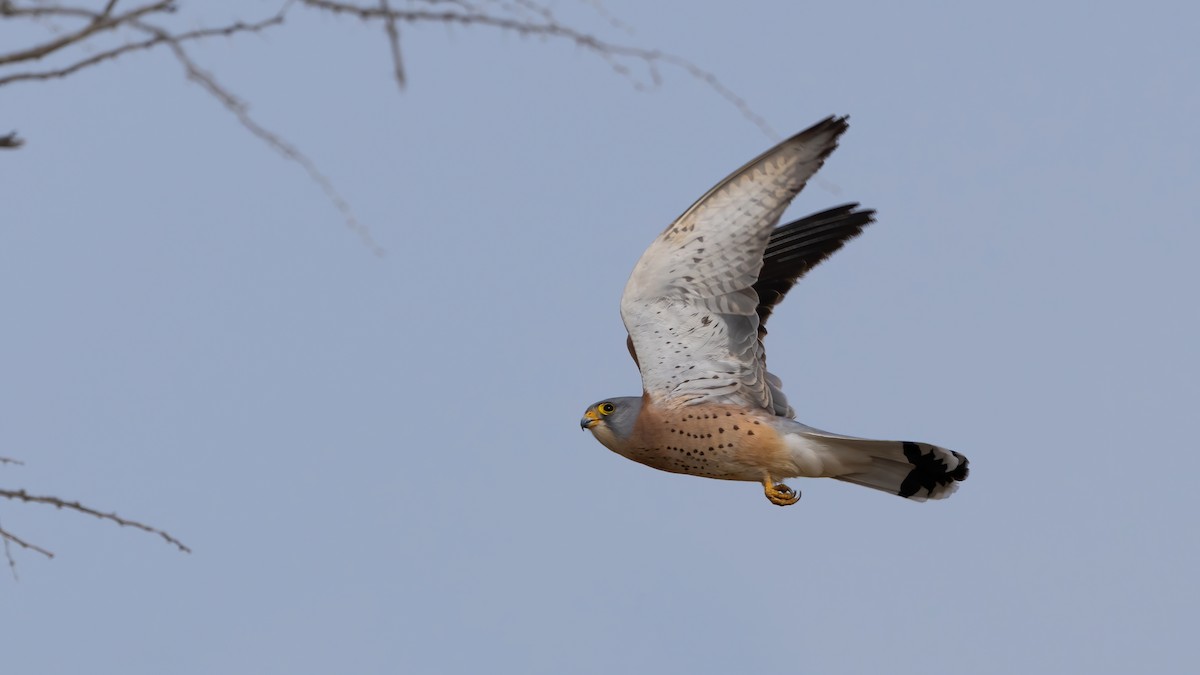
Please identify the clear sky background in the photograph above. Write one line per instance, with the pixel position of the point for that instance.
(378, 463)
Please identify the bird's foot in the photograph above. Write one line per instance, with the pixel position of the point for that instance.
(780, 494)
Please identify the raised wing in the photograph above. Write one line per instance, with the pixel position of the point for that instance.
(690, 305)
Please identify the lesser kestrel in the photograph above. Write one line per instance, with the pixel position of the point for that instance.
(696, 307)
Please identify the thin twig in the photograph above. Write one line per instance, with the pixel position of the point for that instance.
(393, 35)
(550, 28)
(522, 17)
(99, 23)
(12, 562)
(9, 536)
(236, 106)
(200, 34)
(728, 94)
(22, 495)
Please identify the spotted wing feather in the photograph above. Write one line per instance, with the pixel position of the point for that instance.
(690, 305)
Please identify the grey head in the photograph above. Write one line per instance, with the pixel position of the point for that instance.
(611, 420)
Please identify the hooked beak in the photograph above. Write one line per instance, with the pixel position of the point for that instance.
(590, 419)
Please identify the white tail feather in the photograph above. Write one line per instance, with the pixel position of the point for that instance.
(916, 471)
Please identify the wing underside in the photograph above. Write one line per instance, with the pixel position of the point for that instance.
(791, 252)
(692, 305)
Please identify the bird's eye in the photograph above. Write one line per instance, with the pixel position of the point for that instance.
(606, 408)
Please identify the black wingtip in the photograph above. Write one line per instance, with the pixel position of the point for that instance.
(799, 246)
(833, 126)
(842, 122)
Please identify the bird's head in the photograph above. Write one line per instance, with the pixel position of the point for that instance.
(611, 420)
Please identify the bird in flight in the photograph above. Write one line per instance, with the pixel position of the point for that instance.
(696, 308)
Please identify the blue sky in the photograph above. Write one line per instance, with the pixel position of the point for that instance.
(377, 461)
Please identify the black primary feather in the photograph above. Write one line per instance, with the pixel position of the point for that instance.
(799, 246)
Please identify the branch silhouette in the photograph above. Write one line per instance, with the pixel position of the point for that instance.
(61, 40)
(112, 29)
(21, 495)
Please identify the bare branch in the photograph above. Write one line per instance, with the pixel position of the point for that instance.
(10, 537)
(728, 94)
(521, 17)
(21, 495)
(549, 27)
(107, 34)
(99, 23)
(80, 65)
(239, 109)
(200, 34)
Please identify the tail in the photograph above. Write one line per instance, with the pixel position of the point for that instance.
(916, 471)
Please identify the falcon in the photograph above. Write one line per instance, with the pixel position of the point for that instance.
(696, 308)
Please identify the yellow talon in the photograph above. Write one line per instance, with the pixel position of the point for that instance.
(780, 494)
